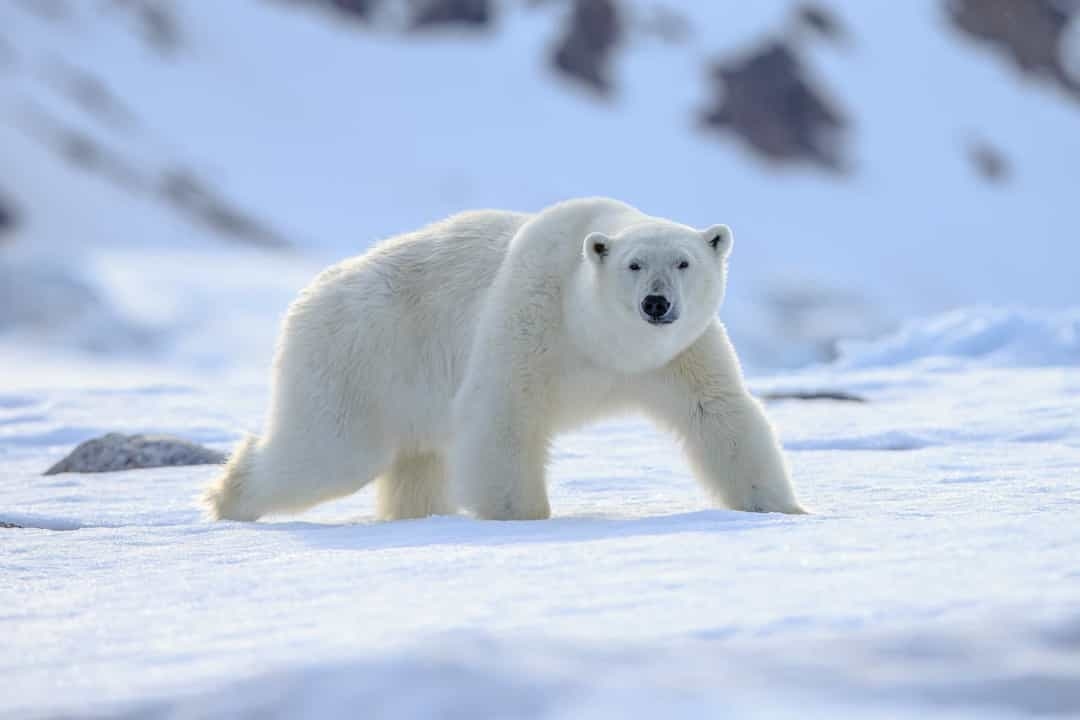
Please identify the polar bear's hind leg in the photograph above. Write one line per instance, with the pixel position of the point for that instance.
(414, 487)
(264, 478)
(221, 497)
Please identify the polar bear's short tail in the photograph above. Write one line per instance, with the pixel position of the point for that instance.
(228, 496)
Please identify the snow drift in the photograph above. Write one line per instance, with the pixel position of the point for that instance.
(986, 337)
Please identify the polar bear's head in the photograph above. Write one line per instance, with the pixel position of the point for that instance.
(660, 280)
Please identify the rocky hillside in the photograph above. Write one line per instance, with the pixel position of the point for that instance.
(875, 162)
(766, 95)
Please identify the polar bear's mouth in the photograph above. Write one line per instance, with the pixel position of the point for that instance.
(660, 321)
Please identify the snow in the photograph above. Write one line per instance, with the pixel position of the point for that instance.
(937, 576)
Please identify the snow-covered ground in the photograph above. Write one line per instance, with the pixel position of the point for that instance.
(939, 575)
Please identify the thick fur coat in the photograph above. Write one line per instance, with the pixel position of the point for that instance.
(441, 364)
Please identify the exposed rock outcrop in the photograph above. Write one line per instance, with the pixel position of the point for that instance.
(767, 99)
(157, 23)
(593, 30)
(7, 216)
(469, 13)
(357, 10)
(988, 161)
(114, 452)
(1029, 32)
(187, 193)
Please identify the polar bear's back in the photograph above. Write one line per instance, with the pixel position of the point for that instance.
(388, 334)
(399, 320)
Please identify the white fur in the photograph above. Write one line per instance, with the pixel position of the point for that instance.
(443, 362)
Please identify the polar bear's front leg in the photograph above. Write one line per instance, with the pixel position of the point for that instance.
(735, 453)
(730, 443)
(499, 452)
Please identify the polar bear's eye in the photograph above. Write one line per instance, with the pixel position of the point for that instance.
(635, 266)
(683, 265)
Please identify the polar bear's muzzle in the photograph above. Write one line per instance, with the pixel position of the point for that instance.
(658, 310)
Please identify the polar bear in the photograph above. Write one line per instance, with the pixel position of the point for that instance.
(442, 362)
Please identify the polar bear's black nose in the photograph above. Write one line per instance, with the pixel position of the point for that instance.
(655, 306)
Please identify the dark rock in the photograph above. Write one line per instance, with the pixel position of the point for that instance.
(182, 189)
(1028, 32)
(988, 161)
(92, 95)
(157, 23)
(822, 22)
(126, 452)
(837, 395)
(190, 195)
(8, 525)
(429, 13)
(591, 35)
(85, 151)
(361, 10)
(768, 101)
(7, 216)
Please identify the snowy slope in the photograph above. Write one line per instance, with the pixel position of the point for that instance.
(993, 337)
(333, 135)
(937, 577)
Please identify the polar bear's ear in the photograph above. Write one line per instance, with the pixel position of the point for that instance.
(597, 246)
(720, 239)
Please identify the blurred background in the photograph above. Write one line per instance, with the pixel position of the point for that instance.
(173, 171)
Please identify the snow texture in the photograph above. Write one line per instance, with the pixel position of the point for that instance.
(937, 577)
